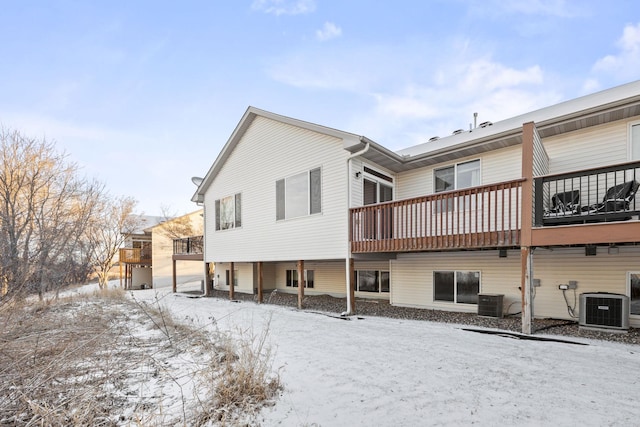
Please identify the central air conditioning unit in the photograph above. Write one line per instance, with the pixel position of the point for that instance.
(490, 305)
(604, 310)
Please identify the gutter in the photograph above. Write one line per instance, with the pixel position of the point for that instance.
(348, 258)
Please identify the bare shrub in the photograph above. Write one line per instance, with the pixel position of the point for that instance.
(240, 379)
(105, 360)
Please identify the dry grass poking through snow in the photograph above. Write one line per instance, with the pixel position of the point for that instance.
(104, 360)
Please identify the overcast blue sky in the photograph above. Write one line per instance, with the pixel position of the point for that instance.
(144, 94)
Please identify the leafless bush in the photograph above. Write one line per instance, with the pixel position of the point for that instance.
(240, 379)
(93, 359)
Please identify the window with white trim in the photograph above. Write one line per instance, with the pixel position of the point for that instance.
(634, 140)
(292, 278)
(229, 212)
(299, 195)
(456, 177)
(460, 287)
(372, 281)
(377, 187)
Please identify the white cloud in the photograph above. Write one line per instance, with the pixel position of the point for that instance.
(626, 63)
(559, 8)
(329, 31)
(284, 7)
(412, 91)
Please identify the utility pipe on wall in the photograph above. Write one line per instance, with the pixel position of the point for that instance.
(347, 265)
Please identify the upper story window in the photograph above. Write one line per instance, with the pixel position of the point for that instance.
(634, 138)
(458, 176)
(377, 187)
(229, 212)
(299, 195)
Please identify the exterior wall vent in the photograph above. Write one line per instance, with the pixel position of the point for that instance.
(604, 310)
(490, 305)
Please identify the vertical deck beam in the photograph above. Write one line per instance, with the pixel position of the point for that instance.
(301, 283)
(208, 286)
(231, 280)
(260, 282)
(526, 258)
(175, 281)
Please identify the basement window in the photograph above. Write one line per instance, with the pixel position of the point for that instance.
(292, 278)
(460, 287)
(372, 281)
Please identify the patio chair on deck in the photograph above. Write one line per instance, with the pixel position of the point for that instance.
(617, 199)
(564, 204)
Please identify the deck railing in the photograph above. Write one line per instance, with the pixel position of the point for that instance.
(188, 245)
(477, 217)
(135, 255)
(588, 196)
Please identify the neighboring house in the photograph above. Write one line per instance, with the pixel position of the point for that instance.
(521, 208)
(177, 250)
(135, 257)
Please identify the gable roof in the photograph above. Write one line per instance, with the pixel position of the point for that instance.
(249, 116)
(601, 107)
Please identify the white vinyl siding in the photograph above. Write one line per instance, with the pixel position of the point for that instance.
(412, 277)
(243, 279)
(267, 150)
(412, 283)
(634, 141)
(588, 148)
(497, 166)
(600, 273)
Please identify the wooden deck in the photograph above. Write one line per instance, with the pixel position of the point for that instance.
(480, 217)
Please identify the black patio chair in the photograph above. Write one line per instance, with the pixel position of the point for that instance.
(617, 199)
(564, 204)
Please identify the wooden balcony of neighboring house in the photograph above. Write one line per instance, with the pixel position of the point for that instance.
(487, 216)
(139, 256)
(591, 206)
(189, 248)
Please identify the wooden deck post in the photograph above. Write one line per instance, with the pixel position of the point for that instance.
(175, 281)
(120, 262)
(526, 287)
(231, 279)
(207, 280)
(526, 250)
(260, 282)
(352, 285)
(301, 283)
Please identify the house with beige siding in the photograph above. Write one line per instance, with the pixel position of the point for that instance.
(533, 216)
(177, 250)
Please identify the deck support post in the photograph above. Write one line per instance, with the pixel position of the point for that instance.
(208, 285)
(526, 287)
(120, 262)
(231, 279)
(259, 282)
(174, 282)
(301, 283)
(526, 248)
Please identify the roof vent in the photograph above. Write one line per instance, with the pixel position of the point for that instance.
(434, 138)
(485, 124)
(457, 131)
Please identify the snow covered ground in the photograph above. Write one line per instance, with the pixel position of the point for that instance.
(390, 372)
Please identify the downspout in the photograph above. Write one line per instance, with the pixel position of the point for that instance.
(348, 268)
